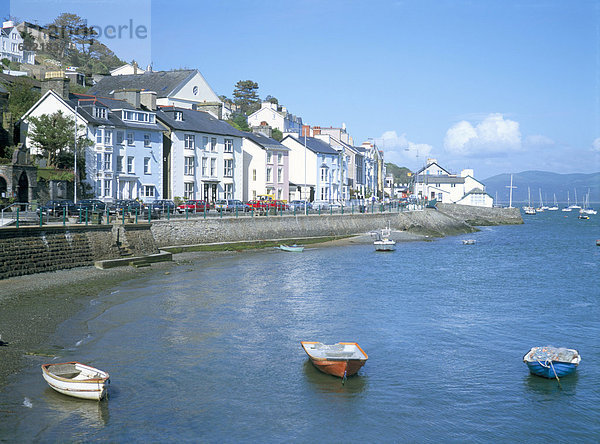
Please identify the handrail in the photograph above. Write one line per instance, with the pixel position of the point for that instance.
(19, 204)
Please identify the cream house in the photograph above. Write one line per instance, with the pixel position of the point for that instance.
(275, 116)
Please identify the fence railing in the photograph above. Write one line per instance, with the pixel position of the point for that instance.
(21, 214)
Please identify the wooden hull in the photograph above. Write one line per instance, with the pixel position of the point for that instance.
(338, 368)
(93, 388)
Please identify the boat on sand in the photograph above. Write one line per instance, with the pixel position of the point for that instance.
(76, 379)
(292, 248)
(342, 359)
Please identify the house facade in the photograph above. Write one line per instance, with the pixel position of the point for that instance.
(11, 45)
(202, 156)
(316, 170)
(275, 116)
(266, 168)
(125, 160)
(435, 182)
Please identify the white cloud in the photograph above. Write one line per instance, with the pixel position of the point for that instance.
(494, 135)
(596, 145)
(398, 149)
(538, 140)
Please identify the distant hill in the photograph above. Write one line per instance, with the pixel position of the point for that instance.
(549, 183)
(400, 173)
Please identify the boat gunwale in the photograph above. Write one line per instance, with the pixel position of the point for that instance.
(527, 359)
(103, 379)
(320, 359)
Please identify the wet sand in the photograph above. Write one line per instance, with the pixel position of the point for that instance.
(32, 307)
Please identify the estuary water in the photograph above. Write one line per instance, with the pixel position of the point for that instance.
(210, 352)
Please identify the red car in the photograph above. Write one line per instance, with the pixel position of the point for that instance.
(194, 206)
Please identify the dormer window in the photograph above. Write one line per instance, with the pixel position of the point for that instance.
(100, 113)
(178, 116)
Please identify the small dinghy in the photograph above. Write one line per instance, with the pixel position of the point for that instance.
(341, 359)
(292, 248)
(76, 379)
(552, 362)
(468, 241)
(383, 241)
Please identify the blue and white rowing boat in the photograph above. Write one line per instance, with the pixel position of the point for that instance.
(552, 362)
(292, 248)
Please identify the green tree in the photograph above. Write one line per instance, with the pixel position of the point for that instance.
(54, 135)
(21, 97)
(272, 99)
(246, 96)
(240, 122)
(276, 134)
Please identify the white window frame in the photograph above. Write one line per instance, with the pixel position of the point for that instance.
(188, 190)
(279, 174)
(228, 146)
(107, 137)
(130, 138)
(107, 190)
(107, 162)
(213, 144)
(213, 167)
(148, 191)
(204, 166)
(228, 168)
(188, 167)
(147, 169)
(147, 140)
(189, 141)
(130, 165)
(228, 190)
(269, 175)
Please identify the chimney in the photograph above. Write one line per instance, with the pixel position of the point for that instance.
(57, 83)
(148, 100)
(135, 67)
(316, 131)
(305, 130)
(132, 96)
(265, 130)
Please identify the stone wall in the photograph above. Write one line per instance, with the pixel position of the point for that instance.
(480, 216)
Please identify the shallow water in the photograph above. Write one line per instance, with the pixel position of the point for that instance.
(211, 352)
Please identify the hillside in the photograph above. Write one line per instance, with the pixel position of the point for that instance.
(549, 183)
(400, 173)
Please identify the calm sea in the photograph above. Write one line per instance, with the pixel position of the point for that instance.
(211, 352)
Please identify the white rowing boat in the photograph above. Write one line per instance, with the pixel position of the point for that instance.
(76, 379)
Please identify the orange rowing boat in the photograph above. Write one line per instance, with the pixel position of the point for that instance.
(341, 359)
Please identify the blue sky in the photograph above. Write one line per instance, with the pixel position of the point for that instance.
(497, 86)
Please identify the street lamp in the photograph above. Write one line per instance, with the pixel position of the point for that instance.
(75, 160)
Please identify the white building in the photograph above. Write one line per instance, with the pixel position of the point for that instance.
(316, 170)
(11, 45)
(266, 167)
(275, 116)
(185, 88)
(125, 160)
(127, 69)
(434, 182)
(203, 156)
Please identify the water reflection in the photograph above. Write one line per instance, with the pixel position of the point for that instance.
(324, 383)
(87, 413)
(550, 387)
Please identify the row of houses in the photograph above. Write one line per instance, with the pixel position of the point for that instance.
(162, 135)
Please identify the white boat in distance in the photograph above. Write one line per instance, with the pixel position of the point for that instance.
(77, 380)
(383, 241)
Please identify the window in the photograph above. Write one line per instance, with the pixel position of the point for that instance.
(204, 166)
(107, 187)
(228, 191)
(190, 141)
(228, 170)
(98, 187)
(188, 190)
(148, 190)
(254, 175)
(99, 136)
(279, 193)
(323, 174)
(120, 137)
(146, 165)
(213, 144)
(146, 140)
(100, 113)
(119, 164)
(229, 145)
(269, 157)
(178, 115)
(189, 166)
(253, 194)
(107, 137)
(279, 158)
(130, 139)
(205, 143)
(279, 175)
(130, 165)
(98, 162)
(127, 115)
(107, 161)
(324, 193)
(269, 174)
(213, 167)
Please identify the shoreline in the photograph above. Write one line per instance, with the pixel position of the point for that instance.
(33, 306)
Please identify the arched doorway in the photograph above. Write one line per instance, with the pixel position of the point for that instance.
(3, 187)
(23, 188)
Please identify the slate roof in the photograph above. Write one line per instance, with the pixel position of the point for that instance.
(84, 102)
(162, 82)
(198, 121)
(266, 142)
(315, 145)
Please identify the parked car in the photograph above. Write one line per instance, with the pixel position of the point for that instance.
(321, 206)
(300, 205)
(231, 205)
(162, 206)
(57, 207)
(129, 205)
(194, 206)
(91, 205)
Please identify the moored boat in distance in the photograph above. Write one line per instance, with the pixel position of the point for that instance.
(552, 362)
(383, 241)
(76, 379)
(468, 241)
(341, 359)
(292, 248)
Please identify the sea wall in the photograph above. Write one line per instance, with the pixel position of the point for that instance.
(480, 216)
